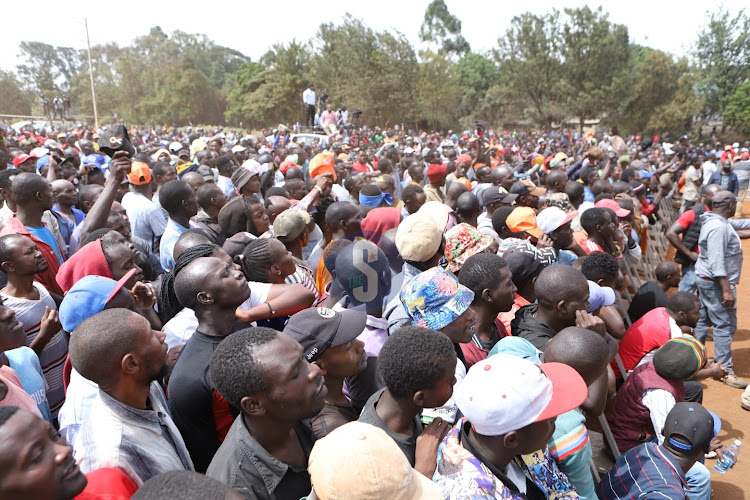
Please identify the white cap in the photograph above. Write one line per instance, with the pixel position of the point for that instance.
(408, 151)
(253, 166)
(238, 148)
(553, 218)
(504, 393)
(175, 146)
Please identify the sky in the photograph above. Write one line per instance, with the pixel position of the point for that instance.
(252, 27)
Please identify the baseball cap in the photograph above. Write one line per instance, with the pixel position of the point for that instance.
(359, 460)
(238, 148)
(679, 358)
(561, 156)
(523, 263)
(525, 186)
(493, 195)
(504, 393)
(523, 219)
(418, 238)
(89, 296)
(139, 173)
(519, 347)
(22, 158)
(320, 328)
(435, 299)
(552, 218)
(408, 151)
(175, 147)
(461, 242)
(206, 172)
(290, 224)
(600, 296)
(115, 139)
(693, 423)
(612, 205)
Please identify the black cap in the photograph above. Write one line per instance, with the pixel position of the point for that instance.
(523, 264)
(318, 329)
(115, 139)
(693, 423)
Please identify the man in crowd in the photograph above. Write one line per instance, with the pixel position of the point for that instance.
(147, 221)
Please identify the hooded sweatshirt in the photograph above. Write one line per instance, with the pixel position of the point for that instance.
(525, 325)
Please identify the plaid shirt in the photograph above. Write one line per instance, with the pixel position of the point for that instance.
(143, 443)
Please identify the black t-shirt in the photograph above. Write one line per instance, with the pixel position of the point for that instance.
(649, 296)
(332, 416)
(200, 413)
(408, 444)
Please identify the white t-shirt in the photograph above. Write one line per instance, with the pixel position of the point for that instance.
(180, 328)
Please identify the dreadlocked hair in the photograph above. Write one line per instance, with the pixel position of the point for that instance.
(169, 306)
(256, 260)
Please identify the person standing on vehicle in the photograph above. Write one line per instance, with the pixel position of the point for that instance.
(309, 99)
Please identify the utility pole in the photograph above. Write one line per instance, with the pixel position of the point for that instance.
(91, 74)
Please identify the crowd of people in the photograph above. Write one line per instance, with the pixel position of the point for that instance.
(199, 314)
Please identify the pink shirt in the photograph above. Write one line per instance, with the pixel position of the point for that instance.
(16, 396)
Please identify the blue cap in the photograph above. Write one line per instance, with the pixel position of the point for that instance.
(519, 347)
(87, 297)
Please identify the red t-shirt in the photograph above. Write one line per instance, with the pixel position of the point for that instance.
(590, 246)
(359, 167)
(109, 484)
(687, 218)
(650, 332)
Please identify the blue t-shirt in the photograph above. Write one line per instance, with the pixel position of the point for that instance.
(46, 236)
(26, 364)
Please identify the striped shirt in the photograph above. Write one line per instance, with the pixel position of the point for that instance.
(52, 357)
(303, 276)
(646, 471)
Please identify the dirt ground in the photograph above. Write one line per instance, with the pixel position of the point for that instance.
(725, 401)
(721, 399)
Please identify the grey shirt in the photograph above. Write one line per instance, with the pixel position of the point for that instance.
(394, 311)
(245, 466)
(720, 249)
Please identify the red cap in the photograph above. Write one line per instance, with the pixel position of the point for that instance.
(613, 205)
(22, 158)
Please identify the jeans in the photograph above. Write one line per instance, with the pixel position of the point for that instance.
(687, 282)
(724, 320)
(699, 479)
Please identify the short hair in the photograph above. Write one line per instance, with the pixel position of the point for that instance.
(5, 246)
(160, 168)
(556, 283)
(349, 181)
(414, 359)
(574, 190)
(94, 235)
(601, 186)
(583, 350)
(205, 193)
(682, 302)
(169, 302)
(412, 169)
(499, 218)
(293, 185)
(337, 212)
(665, 269)
(277, 191)
(467, 204)
(410, 192)
(88, 192)
(172, 194)
(99, 343)
(593, 217)
(629, 174)
(26, 185)
(182, 484)
(587, 174)
(255, 260)
(600, 265)
(223, 164)
(332, 251)
(5, 176)
(190, 238)
(371, 190)
(481, 271)
(235, 371)
(554, 177)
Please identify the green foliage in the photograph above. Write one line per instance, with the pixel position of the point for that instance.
(48, 68)
(13, 99)
(444, 29)
(737, 108)
(438, 92)
(722, 56)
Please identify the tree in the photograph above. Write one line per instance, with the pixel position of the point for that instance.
(596, 57)
(13, 99)
(476, 73)
(443, 29)
(48, 68)
(438, 92)
(722, 55)
(530, 54)
(737, 108)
